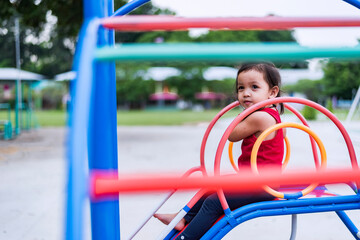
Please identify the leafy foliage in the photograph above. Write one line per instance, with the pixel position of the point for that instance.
(48, 36)
(188, 83)
(52, 96)
(133, 93)
(226, 86)
(313, 89)
(309, 113)
(341, 79)
(48, 32)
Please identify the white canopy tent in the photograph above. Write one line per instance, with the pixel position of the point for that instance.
(66, 76)
(18, 76)
(12, 74)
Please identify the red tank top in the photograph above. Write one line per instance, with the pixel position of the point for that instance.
(271, 151)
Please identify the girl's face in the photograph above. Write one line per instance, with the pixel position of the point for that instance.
(253, 88)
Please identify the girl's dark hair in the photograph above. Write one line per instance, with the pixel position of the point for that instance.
(270, 72)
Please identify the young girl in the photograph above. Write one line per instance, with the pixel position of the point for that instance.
(255, 82)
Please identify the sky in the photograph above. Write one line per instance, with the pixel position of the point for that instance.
(287, 8)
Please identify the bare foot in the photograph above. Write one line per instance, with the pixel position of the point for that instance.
(167, 218)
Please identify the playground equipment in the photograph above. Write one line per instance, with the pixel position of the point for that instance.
(94, 144)
(28, 120)
(5, 125)
(24, 118)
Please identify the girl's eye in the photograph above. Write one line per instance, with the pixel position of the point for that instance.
(255, 86)
(240, 88)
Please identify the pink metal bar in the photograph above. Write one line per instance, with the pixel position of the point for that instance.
(167, 23)
(209, 128)
(243, 183)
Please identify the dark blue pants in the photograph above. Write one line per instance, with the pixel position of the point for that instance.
(208, 209)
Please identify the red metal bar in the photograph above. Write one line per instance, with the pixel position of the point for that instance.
(167, 23)
(209, 128)
(259, 105)
(196, 198)
(244, 182)
(106, 174)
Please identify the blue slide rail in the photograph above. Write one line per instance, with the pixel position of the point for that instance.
(94, 102)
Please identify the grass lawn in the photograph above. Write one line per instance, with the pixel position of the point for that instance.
(49, 118)
(148, 118)
(56, 118)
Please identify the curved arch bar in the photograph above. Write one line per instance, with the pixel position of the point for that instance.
(209, 128)
(303, 120)
(285, 161)
(129, 7)
(231, 157)
(279, 126)
(287, 156)
(257, 106)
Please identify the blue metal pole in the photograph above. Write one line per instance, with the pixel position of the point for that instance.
(93, 97)
(129, 7)
(102, 133)
(78, 183)
(349, 224)
(355, 3)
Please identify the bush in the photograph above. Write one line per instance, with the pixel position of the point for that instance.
(52, 96)
(329, 105)
(309, 113)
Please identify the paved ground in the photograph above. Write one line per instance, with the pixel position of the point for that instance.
(32, 185)
(32, 176)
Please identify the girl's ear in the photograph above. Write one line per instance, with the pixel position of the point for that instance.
(274, 92)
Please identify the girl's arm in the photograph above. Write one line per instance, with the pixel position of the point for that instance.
(255, 123)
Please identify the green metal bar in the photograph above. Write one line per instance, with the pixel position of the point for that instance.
(29, 106)
(9, 113)
(18, 81)
(222, 52)
(8, 108)
(23, 112)
(17, 110)
(6, 124)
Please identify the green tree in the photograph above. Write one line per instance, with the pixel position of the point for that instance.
(228, 36)
(7, 45)
(226, 86)
(246, 36)
(309, 113)
(52, 95)
(51, 52)
(163, 36)
(48, 32)
(48, 55)
(341, 79)
(191, 80)
(134, 93)
(188, 83)
(313, 89)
